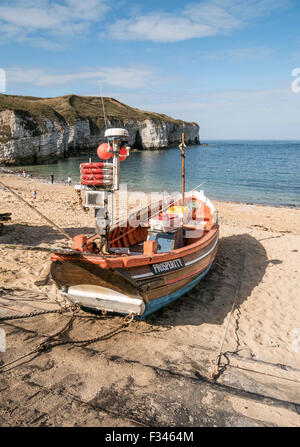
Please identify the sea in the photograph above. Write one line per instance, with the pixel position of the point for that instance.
(262, 172)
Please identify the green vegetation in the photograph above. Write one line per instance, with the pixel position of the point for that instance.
(69, 108)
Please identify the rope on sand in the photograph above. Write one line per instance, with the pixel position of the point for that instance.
(52, 341)
(60, 230)
(63, 250)
(216, 368)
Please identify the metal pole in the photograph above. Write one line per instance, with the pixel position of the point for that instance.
(116, 164)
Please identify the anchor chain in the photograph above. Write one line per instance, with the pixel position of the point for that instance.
(72, 308)
(216, 365)
(50, 343)
(44, 346)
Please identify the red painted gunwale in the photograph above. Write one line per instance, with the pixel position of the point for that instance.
(127, 261)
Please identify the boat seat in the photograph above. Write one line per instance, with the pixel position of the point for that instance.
(120, 250)
(132, 251)
(137, 248)
(167, 241)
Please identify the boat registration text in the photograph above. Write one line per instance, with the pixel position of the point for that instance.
(167, 266)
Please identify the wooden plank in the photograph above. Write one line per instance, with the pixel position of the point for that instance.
(72, 274)
(179, 279)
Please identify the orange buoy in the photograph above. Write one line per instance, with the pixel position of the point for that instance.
(103, 151)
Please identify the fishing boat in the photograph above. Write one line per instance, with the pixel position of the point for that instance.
(145, 262)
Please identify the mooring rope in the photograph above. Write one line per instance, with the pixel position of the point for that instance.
(38, 212)
(62, 250)
(49, 343)
(216, 367)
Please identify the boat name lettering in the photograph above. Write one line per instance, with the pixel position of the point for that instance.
(167, 266)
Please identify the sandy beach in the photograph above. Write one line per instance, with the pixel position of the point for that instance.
(156, 372)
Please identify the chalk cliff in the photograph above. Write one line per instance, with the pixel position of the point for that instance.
(34, 130)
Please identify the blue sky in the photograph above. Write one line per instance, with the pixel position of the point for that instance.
(226, 64)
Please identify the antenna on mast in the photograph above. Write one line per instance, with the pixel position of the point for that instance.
(103, 108)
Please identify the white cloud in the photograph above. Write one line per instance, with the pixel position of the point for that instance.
(136, 77)
(227, 114)
(39, 22)
(239, 114)
(217, 15)
(158, 28)
(250, 53)
(250, 9)
(43, 22)
(201, 19)
(254, 53)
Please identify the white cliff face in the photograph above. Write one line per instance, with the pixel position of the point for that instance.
(24, 140)
(30, 141)
(154, 135)
(80, 135)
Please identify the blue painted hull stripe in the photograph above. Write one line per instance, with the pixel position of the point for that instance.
(158, 303)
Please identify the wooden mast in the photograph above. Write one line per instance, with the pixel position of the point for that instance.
(182, 147)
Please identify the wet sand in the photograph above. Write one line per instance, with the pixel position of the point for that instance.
(156, 372)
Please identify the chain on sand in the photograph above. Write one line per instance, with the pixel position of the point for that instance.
(52, 341)
(42, 312)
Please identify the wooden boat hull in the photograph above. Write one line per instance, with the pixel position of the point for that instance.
(156, 281)
(156, 304)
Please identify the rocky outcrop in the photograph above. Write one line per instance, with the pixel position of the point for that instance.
(27, 142)
(48, 129)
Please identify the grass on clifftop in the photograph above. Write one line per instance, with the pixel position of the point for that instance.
(69, 108)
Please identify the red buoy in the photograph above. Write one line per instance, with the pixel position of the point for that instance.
(92, 176)
(103, 151)
(91, 171)
(123, 154)
(95, 182)
(92, 165)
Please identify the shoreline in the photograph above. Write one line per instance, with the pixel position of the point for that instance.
(270, 218)
(43, 180)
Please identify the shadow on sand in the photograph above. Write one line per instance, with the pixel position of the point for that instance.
(211, 300)
(25, 234)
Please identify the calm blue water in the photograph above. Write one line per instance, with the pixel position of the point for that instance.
(266, 172)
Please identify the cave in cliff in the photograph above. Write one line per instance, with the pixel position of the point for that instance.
(138, 143)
